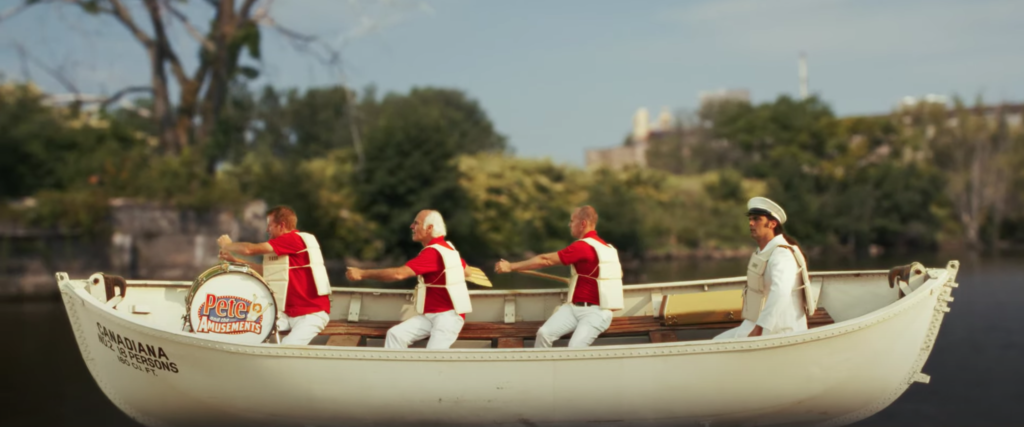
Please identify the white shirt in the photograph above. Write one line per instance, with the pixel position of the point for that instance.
(783, 312)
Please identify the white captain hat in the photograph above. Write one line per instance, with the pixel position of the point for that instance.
(763, 206)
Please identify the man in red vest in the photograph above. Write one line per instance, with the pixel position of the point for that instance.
(595, 288)
(442, 299)
(287, 259)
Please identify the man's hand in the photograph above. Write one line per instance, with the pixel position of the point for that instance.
(502, 267)
(758, 330)
(223, 241)
(226, 256)
(354, 274)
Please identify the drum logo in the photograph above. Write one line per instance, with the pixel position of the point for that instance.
(230, 315)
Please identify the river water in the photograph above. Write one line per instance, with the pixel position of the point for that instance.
(976, 367)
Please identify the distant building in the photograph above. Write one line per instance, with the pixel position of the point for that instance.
(634, 151)
(618, 157)
(931, 98)
(1013, 114)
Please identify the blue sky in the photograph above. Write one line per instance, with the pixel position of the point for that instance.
(560, 76)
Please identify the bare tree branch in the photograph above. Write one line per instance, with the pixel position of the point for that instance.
(195, 33)
(162, 111)
(23, 60)
(305, 43)
(163, 44)
(57, 73)
(267, 20)
(261, 13)
(328, 56)
(125, 17)
(247, 8)
(119, 94)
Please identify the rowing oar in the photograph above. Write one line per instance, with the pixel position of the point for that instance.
(545, 276)
(476, 276)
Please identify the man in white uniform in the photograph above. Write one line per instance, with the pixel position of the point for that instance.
(442, 299)
(773, 300)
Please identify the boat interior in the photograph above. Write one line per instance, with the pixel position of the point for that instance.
(654, 313)
(623, 330)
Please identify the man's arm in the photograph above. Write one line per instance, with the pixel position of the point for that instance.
(393, 274)
(783, 271)
(226, 256)
(539, 261)
(243, 248)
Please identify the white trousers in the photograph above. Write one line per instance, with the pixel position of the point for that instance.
(741, 331)
(443, 329)
(303, 328)
(585, 323)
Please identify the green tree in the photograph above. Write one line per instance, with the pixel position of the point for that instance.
(518, 206)
(412, 143)
(320, 189)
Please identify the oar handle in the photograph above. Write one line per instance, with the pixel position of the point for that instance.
(545, 276)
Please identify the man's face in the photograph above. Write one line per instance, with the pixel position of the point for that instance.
(274, 230)
(419, 232)
(761, 227)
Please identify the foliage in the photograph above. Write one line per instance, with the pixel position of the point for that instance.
(919, 177)
(321, 192)
(519, 205)
(412, 145)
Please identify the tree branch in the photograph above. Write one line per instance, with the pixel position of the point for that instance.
(163, 44)
(57, 74)
(303, 42)
(23, 60)
(247, 7)
(122, 14)
(119, 94)
(261, 13)
(198, 36)
(329, 57)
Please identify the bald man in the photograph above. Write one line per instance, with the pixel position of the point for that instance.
(595, 285)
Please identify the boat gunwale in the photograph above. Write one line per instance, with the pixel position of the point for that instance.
(872, 318)
(541, 291)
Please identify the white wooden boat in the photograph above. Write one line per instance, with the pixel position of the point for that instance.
(866, 347)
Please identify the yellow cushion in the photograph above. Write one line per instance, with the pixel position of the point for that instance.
(702, 307)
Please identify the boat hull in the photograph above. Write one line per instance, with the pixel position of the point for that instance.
(831, 375)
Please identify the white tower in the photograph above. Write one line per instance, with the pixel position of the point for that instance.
(665, 120)
(803, 76)
(641, 125)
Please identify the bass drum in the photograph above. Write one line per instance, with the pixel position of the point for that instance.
(231, 303)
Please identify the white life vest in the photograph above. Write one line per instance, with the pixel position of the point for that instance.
(609, 276)
(276, 268)
(756, 293)
(455, 281)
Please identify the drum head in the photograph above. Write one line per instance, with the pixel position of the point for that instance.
(233, 307)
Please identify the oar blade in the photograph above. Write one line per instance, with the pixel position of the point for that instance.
(476, 276)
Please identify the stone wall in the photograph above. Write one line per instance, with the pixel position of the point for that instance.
(148, 240)
(156, 242)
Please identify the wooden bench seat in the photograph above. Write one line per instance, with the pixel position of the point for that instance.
(508, 335)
